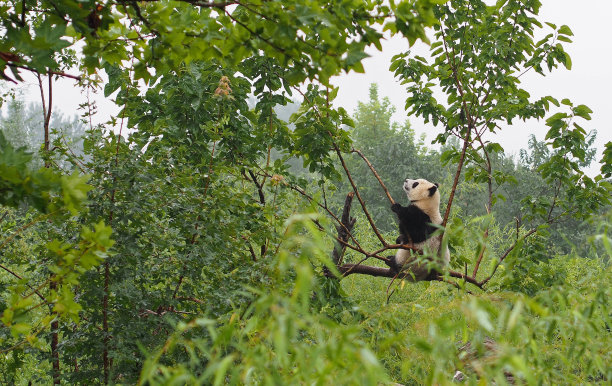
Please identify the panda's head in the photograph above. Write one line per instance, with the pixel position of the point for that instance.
(423, 194)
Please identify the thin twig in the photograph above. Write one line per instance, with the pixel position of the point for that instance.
(375, 175)
(26, 226)
(27, 284)
(58, 73)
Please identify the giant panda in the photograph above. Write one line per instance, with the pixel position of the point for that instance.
(417, 223)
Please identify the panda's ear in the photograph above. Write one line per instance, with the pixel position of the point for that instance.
(432, 190)
(437, 185)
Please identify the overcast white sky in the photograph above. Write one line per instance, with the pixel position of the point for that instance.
(589, 82)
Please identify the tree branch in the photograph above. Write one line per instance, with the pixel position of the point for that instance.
(349, 269)
(58, 73)
(363, 206)
(36, 291)
(262, 198)
(456, 180)
(344, 231)
(375, 175)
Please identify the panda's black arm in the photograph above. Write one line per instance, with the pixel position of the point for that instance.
(413, 222)
(396, 208)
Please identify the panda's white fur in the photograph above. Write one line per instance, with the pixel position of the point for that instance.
(415, 225)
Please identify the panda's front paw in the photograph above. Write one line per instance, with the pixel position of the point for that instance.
(396, 207)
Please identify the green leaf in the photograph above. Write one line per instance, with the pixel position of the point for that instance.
(565, 30)
(583, 111)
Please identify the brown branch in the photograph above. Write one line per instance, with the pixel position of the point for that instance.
(344, 230)
(353, 266)
(389, 287)
(345, 243)
(375, 175)
(338, 221)
(23, 13)
(48, 117)
(27, 284)
(262, 198)
(361, 202)
(253, 256)
(77, 162)
(465, 277)
(348, 174)
(26, 226)
(49, 72)
(409, 247)
(488, 169)
(454, 284)
(481, 254)
(554, 203)
(52, 284)
(470, 124)
(190, 298)
(349, 269)
(42, 97)
(456, 181)
(363, 252)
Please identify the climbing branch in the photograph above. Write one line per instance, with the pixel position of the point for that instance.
(363, 205)
(375, 175)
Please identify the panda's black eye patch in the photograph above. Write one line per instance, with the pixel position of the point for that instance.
(414, 185)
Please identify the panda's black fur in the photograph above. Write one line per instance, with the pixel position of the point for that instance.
(416, 225)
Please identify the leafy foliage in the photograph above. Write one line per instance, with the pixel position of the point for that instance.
(313, 40)
(58, 197)
(212, 271)
(278, 338)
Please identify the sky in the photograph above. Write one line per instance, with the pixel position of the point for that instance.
(589, 82)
